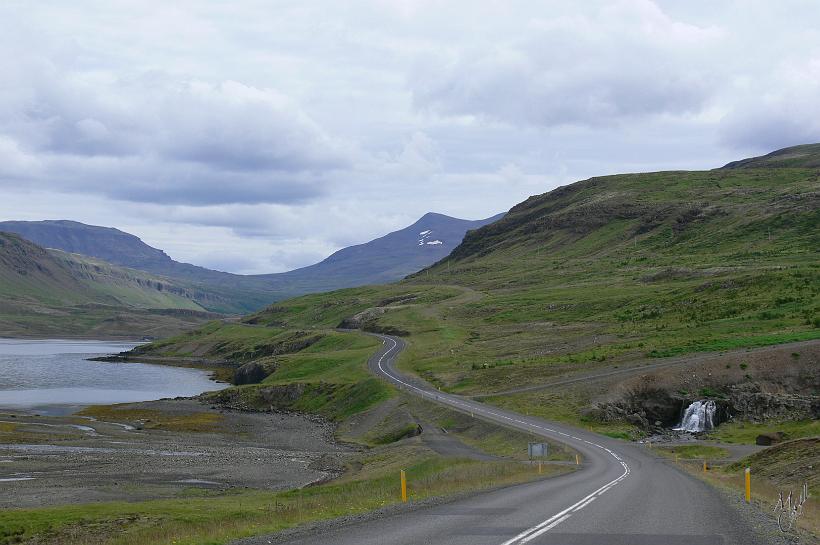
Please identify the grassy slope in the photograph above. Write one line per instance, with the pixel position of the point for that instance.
(52, 293)
(129, 287)
(603, 272)
(606, 272)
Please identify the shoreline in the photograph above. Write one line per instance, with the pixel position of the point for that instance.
(98, 338)
(160, 449)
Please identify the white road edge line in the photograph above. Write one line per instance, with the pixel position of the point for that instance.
(558, 518)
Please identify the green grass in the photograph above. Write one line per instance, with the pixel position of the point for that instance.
(747, 432)
(608, 270)
(327, 311)
(217, 340)
(155, 419)
(694, 452)
(217, 519)
(339, 402)
(337, 358)
(484, 436)
(564, 405)
(335, 401)
(736, 343)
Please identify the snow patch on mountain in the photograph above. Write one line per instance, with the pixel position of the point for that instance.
(424, 236)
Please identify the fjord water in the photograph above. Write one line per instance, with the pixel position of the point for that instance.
(55, 376)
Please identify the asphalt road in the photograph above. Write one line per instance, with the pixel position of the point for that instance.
(622, 495)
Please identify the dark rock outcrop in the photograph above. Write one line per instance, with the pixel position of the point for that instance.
(358, 321)
(282, 395)
(646, 409)
(768, 439)
(748, 401)
(250, 373)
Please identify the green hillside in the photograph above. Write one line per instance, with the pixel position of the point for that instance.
(600, 274)
(129, 287)
(48, 292)
(805, 156)
(617, 267)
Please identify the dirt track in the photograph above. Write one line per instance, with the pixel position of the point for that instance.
(654, 364)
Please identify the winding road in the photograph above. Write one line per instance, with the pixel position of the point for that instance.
(622, 495)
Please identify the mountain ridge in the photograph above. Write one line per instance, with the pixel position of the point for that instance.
(47, 291)
(801, 156)
(384, 259)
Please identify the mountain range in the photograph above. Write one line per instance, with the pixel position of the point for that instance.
(56, 265)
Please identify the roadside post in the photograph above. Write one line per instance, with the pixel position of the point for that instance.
(748, 485)
(577, 459)
(705, 467)
(403, 487)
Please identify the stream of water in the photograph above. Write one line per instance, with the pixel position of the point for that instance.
(698, 417)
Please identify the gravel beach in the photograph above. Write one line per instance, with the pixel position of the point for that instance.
(72, 459)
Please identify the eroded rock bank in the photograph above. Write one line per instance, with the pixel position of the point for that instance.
(781, 384)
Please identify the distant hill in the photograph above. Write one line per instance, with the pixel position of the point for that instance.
(50, 292)
(803, 156)
(382, 260)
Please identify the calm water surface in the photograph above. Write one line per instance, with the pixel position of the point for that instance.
(55, 376)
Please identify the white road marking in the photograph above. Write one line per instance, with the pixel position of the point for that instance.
(558, 518)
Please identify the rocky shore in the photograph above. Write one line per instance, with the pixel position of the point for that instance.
(75, 459)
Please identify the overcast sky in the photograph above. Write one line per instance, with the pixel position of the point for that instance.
(261, 136)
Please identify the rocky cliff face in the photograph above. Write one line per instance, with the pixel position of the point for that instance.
(777, 383)
(657, 409)
(749, 401)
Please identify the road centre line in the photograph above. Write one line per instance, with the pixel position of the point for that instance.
(553, 521)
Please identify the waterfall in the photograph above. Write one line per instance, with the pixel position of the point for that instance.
(699, 416)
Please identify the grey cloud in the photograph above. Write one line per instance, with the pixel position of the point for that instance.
(769, 130)
(155, 138)
(607, 65)
(788, 113)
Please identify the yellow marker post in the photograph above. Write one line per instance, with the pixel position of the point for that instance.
(748, 485)
(704, 466)
(403, 486)
(577, 459)
(539, 467)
